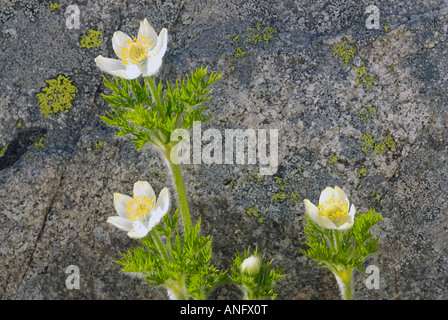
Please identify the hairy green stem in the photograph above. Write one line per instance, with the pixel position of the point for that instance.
(344, 278)
(181, 195)
(159, 244)
(155, 95)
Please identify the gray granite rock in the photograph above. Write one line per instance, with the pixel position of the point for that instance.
(58, 173)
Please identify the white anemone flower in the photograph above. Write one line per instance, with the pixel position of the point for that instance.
(251, 266)
(333, 210)
(139, 214)
(141, 55)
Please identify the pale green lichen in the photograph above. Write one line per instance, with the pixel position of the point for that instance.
(3, 150)
(93, 39)
(57, 96)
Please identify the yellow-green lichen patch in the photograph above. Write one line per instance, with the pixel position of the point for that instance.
(40, 144)
(364, 79)
(254, 35)
(343, 52)
(367, 112)
(98, 146)
(19, 123)
(239, 53)
(57, 96)
(362, 172)
(54, 6)
(93, 39)
(3, 150)
(333, 158)
(257, 34)
(378, 147)
(231, 183)
(254, 213)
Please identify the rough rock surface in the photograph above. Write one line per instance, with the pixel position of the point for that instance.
(55, 200)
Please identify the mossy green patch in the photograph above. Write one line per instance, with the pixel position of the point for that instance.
(57, 96)
(91, 40)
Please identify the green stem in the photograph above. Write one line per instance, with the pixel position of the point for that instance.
(337, 240)
(344, 278)
(181, 194)
(159, 244)
(155, 94)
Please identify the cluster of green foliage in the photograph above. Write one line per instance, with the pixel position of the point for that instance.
(150, 113)
(257, 287)
(333, 249)
(189, 260)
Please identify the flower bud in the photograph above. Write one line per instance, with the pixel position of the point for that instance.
(251, 266)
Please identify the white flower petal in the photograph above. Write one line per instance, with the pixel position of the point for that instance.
(108, 64)
(143, 188)
(346, 225)
(116, 68)
(130, 72)
(163, 202)
(151, 66)
(341, 195)
(121, 223)
(120, 201)
(352, 212)
(162, 43)
(156, 216)
(313, 213)
(326, 195)
(119, 41)
(147, 31)
(139, 231)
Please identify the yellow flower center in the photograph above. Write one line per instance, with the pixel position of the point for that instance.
(336, 211)
(140, 208)
(136, 50)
